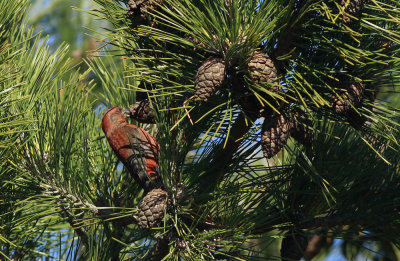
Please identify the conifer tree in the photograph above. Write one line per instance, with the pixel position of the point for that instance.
(273, 125)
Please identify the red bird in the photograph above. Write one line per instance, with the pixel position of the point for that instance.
(134, 146)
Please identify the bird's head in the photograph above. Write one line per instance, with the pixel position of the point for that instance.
(113, 116)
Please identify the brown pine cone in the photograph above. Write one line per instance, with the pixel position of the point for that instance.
(159, 250)
(251, 106)
(275, 133)
(142, 112)
(353, 95)
(300, 130)
(262, 69)
(353, 9)
(151, 209)
(138, 8)
(209, 78)
(355, 119)
(293, 246)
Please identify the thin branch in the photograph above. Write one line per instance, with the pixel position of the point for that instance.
(289, 35)
(66, 200)
(222, 158)
(329, 221)
(66, 197)
(314, 223)
(79, 230)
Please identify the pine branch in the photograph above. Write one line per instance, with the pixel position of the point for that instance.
(331, 221)
(67, 198)
(289, 35)
(314, 223)
(222, 158)
(67, 202)
(79, 230)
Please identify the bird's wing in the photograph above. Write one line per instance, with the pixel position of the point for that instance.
(142, 154)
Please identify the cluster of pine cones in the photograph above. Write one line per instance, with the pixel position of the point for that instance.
(277, 128)
(212, 73)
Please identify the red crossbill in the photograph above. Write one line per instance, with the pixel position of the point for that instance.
(134, 146)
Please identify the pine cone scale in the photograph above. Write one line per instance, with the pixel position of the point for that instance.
(261, 68)
(151, 209)
(142, 112)
(301, 128)
(209, 78)
(275, 133)
(352, 96)
(139, 8)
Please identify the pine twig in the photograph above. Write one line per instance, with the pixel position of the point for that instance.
(222, 158)
(65, 200)
(313, 223)
(288, 36)
(294, 245)
(329, 221)
(79, 230)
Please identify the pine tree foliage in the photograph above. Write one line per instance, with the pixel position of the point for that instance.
(65, 195)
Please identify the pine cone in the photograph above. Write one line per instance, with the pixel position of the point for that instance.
(356, 120)
(352, 96)
(300, 130)
(262, 69)
(356, 96)
(151, 209)
(293, 246)
(138, 8)
(209, 78)
(251, 106)
(159, 250)
(353, 8)
(275, 133)
(142, 112)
